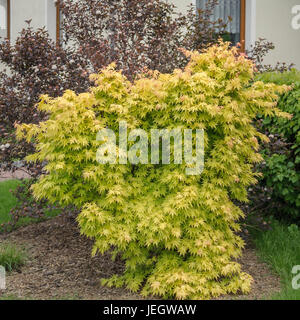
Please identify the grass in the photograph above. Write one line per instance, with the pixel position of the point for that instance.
(280, 248)
(7, 199)
(12, 257)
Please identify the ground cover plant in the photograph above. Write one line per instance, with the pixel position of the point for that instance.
(176, 232)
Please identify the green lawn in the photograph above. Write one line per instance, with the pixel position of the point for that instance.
(7, 200)
(280, 248)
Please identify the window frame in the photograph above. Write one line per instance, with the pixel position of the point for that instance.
(243, 25)
(58, 20)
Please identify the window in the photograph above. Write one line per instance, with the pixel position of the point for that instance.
(4, 18)
(234, 9)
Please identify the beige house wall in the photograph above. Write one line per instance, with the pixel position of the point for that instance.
(42, 13)
(22, 10)
(274, 21)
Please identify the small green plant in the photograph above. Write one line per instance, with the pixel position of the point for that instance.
(12, 257)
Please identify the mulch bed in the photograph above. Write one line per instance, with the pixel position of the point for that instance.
(60, 266)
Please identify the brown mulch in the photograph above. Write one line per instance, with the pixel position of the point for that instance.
(60, 266)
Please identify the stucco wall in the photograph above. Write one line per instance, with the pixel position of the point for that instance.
(274, 22)
(24, 10)
(42, 13)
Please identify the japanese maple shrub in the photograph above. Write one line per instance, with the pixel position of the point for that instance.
(176, 232)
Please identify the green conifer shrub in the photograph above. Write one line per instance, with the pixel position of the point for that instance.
(175, 232)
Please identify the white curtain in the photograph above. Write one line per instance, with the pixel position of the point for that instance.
(223, 10)
(3, 8)
(3, 19)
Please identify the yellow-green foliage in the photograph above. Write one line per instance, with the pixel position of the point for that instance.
(176, 233)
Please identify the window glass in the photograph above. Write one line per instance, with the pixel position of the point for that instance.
(225, 9)
(3, 18)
